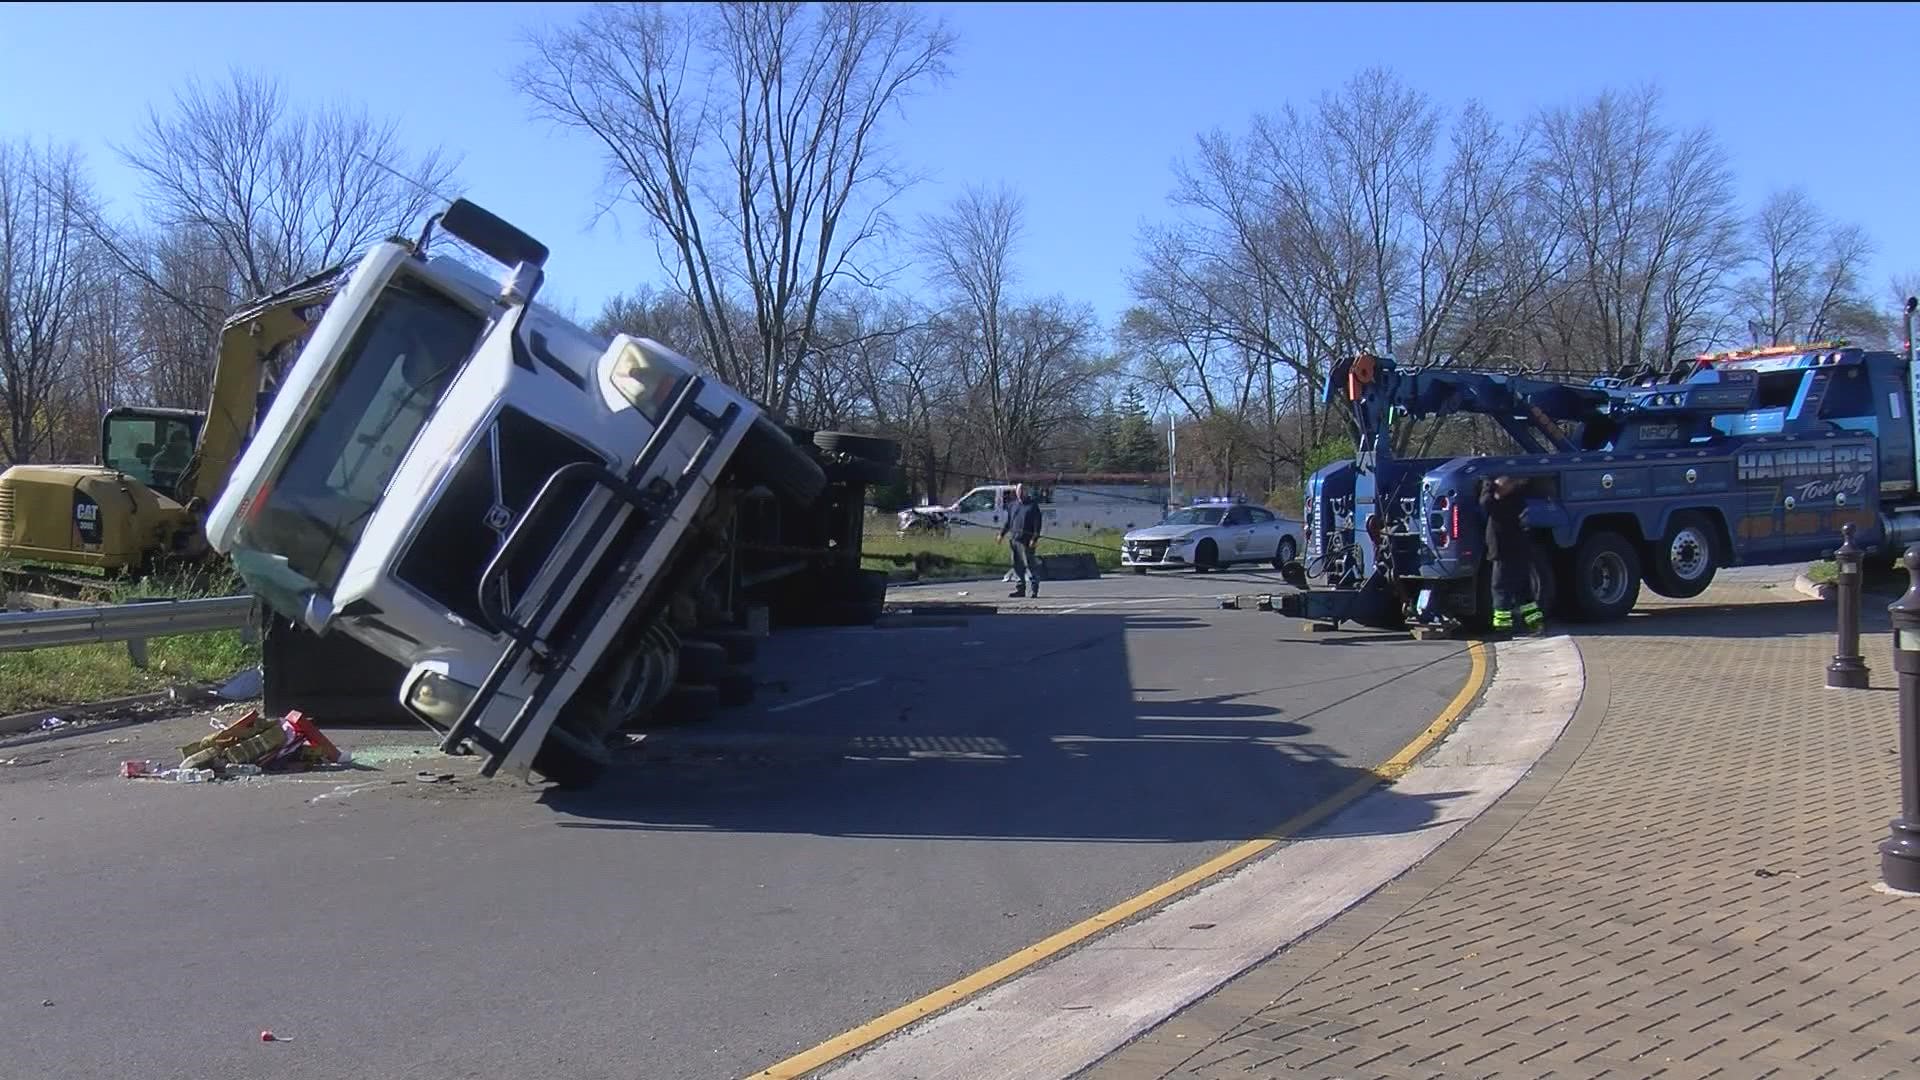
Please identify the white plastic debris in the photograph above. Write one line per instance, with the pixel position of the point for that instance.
(52, 722)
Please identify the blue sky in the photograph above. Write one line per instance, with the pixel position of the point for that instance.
(1081, 108)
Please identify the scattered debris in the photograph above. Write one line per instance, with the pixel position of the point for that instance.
(268, 1036)
(46, 1003)
(14, 761)
(432, 777)
(242, 687)
(52, 722)
(250, 746)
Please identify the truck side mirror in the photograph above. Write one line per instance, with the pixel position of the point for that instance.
(492, 235)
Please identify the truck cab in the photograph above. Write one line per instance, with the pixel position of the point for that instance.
(499, 501)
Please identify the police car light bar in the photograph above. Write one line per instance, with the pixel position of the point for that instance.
(1220, 500)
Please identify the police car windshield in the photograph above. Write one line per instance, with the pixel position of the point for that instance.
(1197, 515)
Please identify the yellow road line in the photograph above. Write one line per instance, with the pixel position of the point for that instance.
(955, 992)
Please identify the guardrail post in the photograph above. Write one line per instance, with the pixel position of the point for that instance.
(137, 652)
(1900, 851)
(1848, 669)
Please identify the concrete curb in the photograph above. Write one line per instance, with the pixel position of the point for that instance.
(1055, 1020)
(1807, 587)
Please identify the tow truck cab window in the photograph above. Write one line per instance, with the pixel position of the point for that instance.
(975, 502)
(1778, 389)
(1848, 395)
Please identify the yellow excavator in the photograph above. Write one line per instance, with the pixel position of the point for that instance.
(159, 468)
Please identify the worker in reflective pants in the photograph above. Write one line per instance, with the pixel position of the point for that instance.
(1504, 500)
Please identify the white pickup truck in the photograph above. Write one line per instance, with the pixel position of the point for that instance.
(503, 503)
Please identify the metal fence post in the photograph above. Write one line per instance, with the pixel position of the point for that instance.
(1848, 669)
(1900, 851)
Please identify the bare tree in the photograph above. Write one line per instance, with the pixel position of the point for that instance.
(1806, 285)
(44, 264)
(1654, 230)
(1026, 368)
(750, 136)
(277, 192)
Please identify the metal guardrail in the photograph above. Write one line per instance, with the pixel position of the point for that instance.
(132, 622)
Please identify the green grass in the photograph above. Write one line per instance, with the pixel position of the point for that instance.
(1879, 576)
(979, 552)
(79, 674)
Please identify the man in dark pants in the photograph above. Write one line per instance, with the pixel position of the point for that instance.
(1021, 531)
(1503, 499)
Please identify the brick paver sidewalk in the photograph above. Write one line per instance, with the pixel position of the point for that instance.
(1684, 887)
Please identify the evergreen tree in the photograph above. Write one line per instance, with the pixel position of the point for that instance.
(1139, 448)
(1104, 453)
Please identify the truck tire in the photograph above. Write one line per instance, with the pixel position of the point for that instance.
(864, 447)
(1206, 557)
(701, 661)
(1603, 582)
(740, 645)
(1686, 558)
(768, 455)
(687, 703)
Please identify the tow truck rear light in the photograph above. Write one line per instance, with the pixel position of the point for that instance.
(1453, 525)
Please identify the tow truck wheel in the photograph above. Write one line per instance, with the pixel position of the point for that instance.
(1206, 557)
(1604, 581)
(1683, 564)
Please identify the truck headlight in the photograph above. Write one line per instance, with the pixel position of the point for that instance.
(647, 379)
(439, 698)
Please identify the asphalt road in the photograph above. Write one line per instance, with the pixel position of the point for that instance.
(902, 806)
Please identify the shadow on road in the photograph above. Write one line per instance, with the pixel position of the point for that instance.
(1704, 618)
(1030, 727)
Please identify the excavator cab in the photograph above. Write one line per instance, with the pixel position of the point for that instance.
(154, 446)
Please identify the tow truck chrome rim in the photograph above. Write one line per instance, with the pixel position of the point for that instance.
(1688, 553)
(1607, 578)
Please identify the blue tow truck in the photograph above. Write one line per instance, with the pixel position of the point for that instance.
(1741, 458)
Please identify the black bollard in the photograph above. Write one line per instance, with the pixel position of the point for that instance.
(1900, 851)
(1847, 670)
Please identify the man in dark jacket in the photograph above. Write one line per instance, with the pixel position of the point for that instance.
(1021, 531)
(1503, 499)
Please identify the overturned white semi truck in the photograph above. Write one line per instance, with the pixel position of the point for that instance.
(507, 506)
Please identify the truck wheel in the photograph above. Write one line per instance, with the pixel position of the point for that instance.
(768, 455)
(1206, 557)
(1687, 558)
(686, 703)
(864, 447)
(741, 646)
(1605, 579)
(1287, 552)
(701, 661)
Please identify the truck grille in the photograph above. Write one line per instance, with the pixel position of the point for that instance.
(489, 490)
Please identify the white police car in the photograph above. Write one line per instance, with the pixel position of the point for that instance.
(1213, 534)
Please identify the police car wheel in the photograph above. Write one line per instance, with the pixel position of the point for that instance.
(1206, 557)
(1286, 553)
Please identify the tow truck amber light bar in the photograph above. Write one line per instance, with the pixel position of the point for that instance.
(1765, 351)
